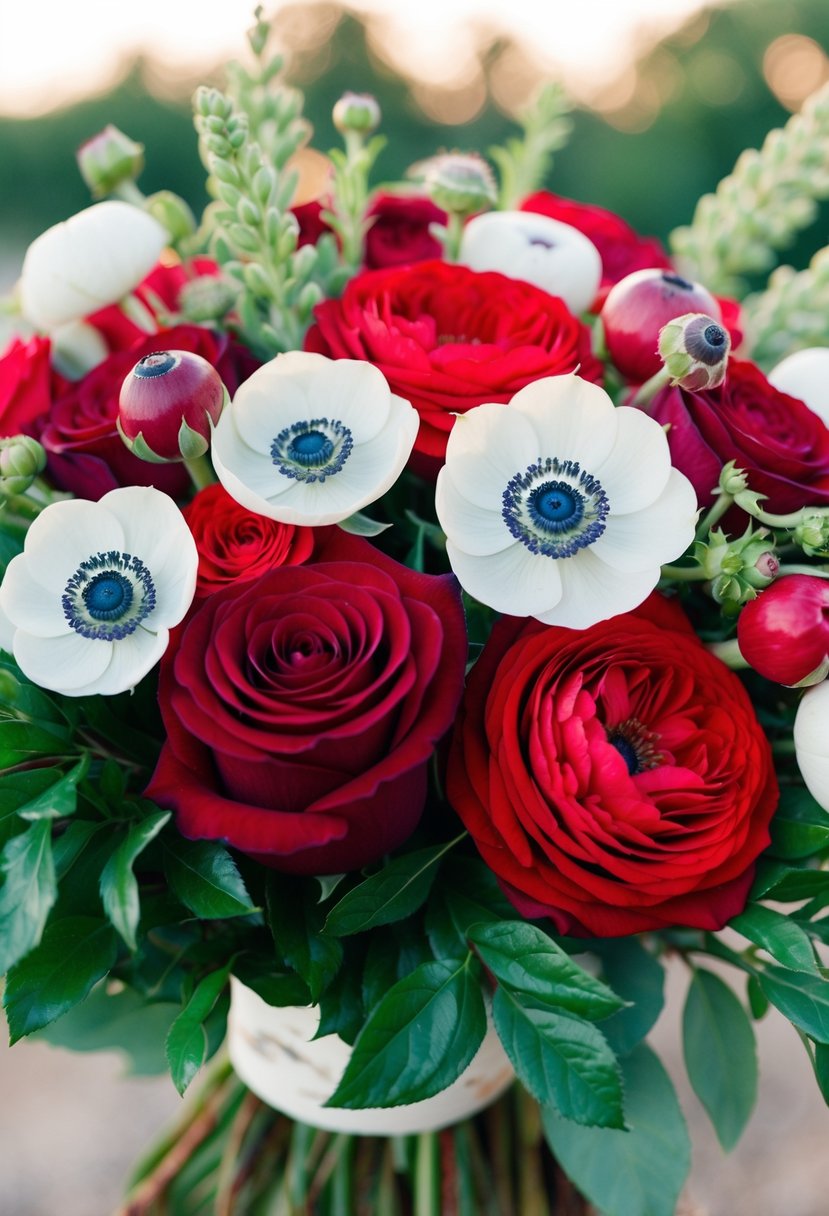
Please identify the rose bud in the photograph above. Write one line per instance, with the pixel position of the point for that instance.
(555, 257)
(109, 159)
(21, 460)
(784, 633)
(695, 349)
(638, 307)
(460, 182)
(167, 404)
(811, 742)
(805, 375)
(358, 113)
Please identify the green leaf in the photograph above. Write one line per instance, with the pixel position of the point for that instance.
(638, 977)
(68, 846)
(295, 921)
(23, 741)
(119, 886)
(786, 883)
(28, 893)
(757, 1001)
(524, 959)
(72, 956)
(122, 1020)
(820, 1063)
(204, 876)
(720, 1055)
(800, 826)
(392, 894)
(341, 1005)
(467, 894)
(16, 789)
(803, 998)
(418, 1040)
(784, 940)
(58, 799)
(274, 987)
(562, 1060)
(635, 1173)
(361, 525)
(186, 1044)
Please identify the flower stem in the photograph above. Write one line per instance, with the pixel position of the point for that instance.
(814, 571)
(454, 235)
(729, 653)
(685, 574)
(201, 472)
(427, 1176)
(714, 514)
(647, 391)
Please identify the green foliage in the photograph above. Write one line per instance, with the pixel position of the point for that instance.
(468, 894)
(295, 921)
(28, 892)
(121, 1020)
(205, 878)
(803, 998)
(639, 978)
(784, 939)
(187, 1040)
(524, 164)
(118, 885)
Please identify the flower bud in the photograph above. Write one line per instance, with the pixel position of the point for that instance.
(356, 112)
(209, 297)
(812, 534)
(738, 568)
(21, 460)
(811, 742)
(694, 349)
(167, 404)
(109, 159)
(172, 213)
(460, 182)
(784, 634)
(732, 480)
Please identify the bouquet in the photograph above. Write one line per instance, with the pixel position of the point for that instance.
(414, 634)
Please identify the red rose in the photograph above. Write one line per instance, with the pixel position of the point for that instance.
(621, 249)
(776, 439)
(302, 708)
(399, 232)
(311, 224)
(86, 454)
(448, 339)
(235, 545)
(615, 779)
(25, 393)
(159, 293)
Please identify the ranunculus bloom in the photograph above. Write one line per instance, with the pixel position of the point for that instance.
(615, 779)
(86, 454)
(399, 232)
(448, 339)
(776, 439)
(621, 249)
(302, 708)
(235, 545)
(25, 392)
(784, 632)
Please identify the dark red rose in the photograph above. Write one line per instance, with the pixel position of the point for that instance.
(448, 339)
(621, 249)
(311, 224)
(399, 232)
(159, 293)
(86, 454)
(25, 392)
(235, 545)
(302, 708)
(615, 779)
(777, 440)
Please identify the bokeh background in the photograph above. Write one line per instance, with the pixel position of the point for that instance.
(667, 93)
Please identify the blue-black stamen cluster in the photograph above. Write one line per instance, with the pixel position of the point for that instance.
(108, 596)
(555, 507)
(312, 451)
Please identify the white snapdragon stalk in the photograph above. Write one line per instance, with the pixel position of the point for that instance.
(553, 256)
(312, 440)
(561, 506)
(811, 741)
(805, 374)
(93, 259)
(97, 588)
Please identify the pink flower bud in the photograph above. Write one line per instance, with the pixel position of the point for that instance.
(784, 632)
(167, 404)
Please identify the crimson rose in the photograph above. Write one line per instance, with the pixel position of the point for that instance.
(25, 392)
(615, 779)
(302, 708)
(235, 545)
(777, 440)
(447, 339)
(399, 232)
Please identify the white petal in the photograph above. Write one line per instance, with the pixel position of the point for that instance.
(660, 533)
(237, 463)
(356, 394)
(260, 410)
(805, 375)
(132, 657)
(7, 632)
(27, 603)
(513, 581)
(811, 741)
(66, 664)
(637, 470)
(487, 447)
(66, 534)
(476, 530)
(575, 420)
(156, 532)
(592, 592)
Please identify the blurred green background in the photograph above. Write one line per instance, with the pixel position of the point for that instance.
(663, 134)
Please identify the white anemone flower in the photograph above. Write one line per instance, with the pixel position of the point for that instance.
(538, 249)
(97, 588)
(811, 741)
(561, 506)
(312, 440)
(805, 374)
(93, 259)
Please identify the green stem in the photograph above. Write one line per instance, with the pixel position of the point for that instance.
(784, 521)
(128, 192)
(685, 574)
(647, 391)
(814, 571)
(427, 1176)
(454, 235)
(201, 472)
(714, 514)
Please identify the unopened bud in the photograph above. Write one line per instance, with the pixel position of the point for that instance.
(109, 159)
(172, 213)
(207, 298)
(738, 568)
(461, 183)
(21, 460)
(356, 112)
(732, 480)
(812, 534)
(694, 349)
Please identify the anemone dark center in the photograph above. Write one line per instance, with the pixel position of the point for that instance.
(107, 596)
(157, 364)
(555, 507)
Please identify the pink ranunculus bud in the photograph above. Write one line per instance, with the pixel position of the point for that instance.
(167, 404)
(784, 632)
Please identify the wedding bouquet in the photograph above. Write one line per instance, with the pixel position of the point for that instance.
(414, 627)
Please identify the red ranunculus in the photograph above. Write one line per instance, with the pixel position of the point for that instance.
(235, 545)
(399, 232)
(448, 339)
(621, 249)
(777, 440)
(615, 779)
(302, 708)
(159, 292)
(86, 454)
(25, 393)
